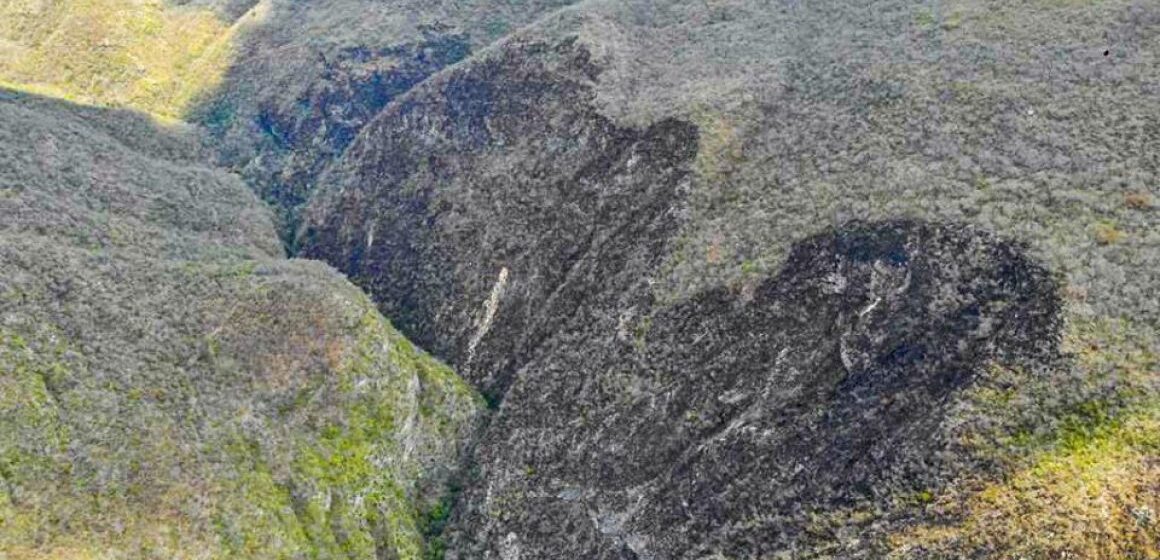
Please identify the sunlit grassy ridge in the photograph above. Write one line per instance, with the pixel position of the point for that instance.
(141, 54)
(1095, 497)
(1088, 489)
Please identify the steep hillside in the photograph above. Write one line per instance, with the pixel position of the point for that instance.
(170, 387)
(148, 55)
(283, 86)
(432, 221)
(907, 265)
(312, 74)
(735, 279)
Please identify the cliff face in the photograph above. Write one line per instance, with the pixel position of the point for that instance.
(501, 183)
(171, 387)
(724, 424)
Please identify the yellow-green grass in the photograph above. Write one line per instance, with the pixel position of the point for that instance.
(1090, 490)
(325, 492)
(1098, 498)
(140, 54)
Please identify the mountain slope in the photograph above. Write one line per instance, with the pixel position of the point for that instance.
(308, 77)
(172, 387)
(738, 279)
(533, 217)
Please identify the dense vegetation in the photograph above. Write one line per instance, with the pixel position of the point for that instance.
(172, 387)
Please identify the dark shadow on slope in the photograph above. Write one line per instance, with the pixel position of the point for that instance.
(723, 424)
(134, 129)
(486, 208)
(227, 10)
(309, 76)
(298, 138)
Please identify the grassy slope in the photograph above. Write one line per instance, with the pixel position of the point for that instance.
(170, 387)
(120, 53)
(1081, 482)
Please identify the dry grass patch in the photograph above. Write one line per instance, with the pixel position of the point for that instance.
(142, 54)
(1092, 498)
(1138, 200)
(1106, 233)
(1090, 490)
